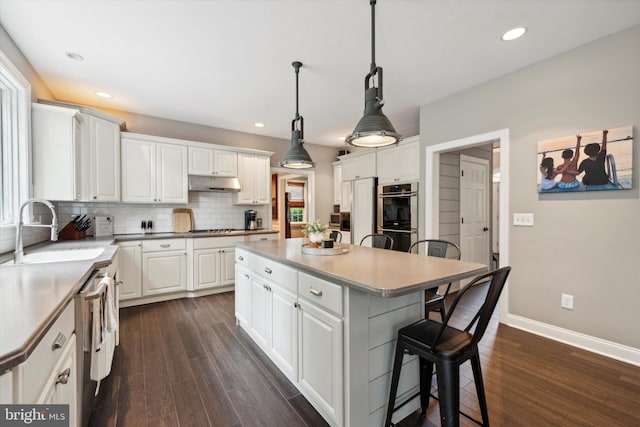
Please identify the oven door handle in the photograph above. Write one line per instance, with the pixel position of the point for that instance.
(397, 195)
(411, 231)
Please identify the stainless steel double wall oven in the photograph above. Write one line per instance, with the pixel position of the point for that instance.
(398, 213)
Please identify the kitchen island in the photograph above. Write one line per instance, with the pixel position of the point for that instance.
(329, 322)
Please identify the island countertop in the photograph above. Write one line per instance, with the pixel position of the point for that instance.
(379, 272)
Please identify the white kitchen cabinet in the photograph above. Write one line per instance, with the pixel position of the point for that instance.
(260, 329)
(337, 180)
(345, 196)
(283, 347)
(358, 166)
(255, 180)
(398, 164)
(76, 154)
(61, 385)
(153, 172)
(208, 162)
(6, 388)
(320, 357)
(164, 266)
(213, 267)
(130, 269)
(243, 296)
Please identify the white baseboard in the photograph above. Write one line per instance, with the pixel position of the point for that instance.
(586, 342)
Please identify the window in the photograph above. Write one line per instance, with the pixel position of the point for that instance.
(15, 98)
(296, 201)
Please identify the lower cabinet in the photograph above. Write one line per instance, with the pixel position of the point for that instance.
(164, 272)
(320, 356)
(303, 337)
(130, 265)
(213, 262)
(61, 384)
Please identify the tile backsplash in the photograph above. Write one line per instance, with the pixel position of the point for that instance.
(210, 211)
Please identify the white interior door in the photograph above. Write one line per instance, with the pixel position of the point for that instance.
(474, 210)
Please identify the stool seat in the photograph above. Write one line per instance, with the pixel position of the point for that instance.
(437, 343)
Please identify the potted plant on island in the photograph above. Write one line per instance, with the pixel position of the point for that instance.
(315, 232)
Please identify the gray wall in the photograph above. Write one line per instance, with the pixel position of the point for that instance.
(582, 244)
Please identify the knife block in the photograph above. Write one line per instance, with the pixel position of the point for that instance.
(69, 232)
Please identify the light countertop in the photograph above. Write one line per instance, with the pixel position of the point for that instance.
(379, 272)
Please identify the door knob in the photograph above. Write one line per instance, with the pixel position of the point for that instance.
(485, 229)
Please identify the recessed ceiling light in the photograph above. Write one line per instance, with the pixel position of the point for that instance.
(104, 95)
(342, 138)
(74, 56)
(259, 125)
(514, 33)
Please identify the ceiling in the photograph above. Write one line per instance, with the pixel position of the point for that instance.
(227, 63)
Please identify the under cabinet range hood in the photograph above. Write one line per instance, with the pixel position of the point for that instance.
(213, 183)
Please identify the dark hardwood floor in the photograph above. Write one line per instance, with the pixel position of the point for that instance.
(184, 363)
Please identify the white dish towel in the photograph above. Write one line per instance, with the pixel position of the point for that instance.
(104, 325)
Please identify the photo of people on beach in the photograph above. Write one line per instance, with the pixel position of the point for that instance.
(590, 161)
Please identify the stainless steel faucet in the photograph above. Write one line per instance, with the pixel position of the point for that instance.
(18, 255)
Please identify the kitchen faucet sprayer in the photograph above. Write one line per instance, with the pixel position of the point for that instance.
(18, 255)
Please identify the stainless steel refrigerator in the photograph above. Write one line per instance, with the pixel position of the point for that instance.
(363, 208)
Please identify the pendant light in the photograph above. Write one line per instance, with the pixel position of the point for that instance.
(374, 128)
(297, 157)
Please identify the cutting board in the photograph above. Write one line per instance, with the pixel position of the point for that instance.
(182, 220)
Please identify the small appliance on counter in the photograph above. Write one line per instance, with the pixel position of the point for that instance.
(103, 226)
(250, 220)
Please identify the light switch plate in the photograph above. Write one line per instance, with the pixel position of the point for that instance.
(523, 219)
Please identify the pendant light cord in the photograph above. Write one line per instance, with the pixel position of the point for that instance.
(373, 34)
(298, 118)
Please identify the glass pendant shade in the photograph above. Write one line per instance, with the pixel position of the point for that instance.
(297, 157)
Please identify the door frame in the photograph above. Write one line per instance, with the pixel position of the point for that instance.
(432, 192)
(284, 173)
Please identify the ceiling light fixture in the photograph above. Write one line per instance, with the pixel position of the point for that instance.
(74, 56)
(258, 125)
(297, 157)
(514, 33)
(104, 95)
(374, 129)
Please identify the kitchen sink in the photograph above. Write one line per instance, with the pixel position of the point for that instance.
(60, 255)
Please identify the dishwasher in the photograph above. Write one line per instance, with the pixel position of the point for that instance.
(95, 352)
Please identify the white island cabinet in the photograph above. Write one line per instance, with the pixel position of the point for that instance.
(335, 318)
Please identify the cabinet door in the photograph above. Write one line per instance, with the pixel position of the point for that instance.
(200, 161)
(263, 180)
(284, 334)
(387, 166)
(104, 160)
(408, 160)
(243, 296)
(61, 388)
(227, 266)
(366, 166)
(225, 163)
(206, 268)
(164, 272)
(320, 360)
(172, 173)
(260, 312)
(345, 196)
(138, 171)
(337, 180)
(55, 135)
(247, 178)
(130, 269)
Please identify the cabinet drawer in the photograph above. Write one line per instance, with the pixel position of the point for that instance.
(284, 276)
(243, 257)
(163, 245)
(216, 242)
(321, 292)
(36, 369)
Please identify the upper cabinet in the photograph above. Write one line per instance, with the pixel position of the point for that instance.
(337, 180)
(76, 153)
(208, 162)
(400, 163)
(153, 171)
(255, 180)
(356, 166)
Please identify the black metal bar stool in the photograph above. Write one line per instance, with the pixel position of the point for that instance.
(381, 241)
(447, 347)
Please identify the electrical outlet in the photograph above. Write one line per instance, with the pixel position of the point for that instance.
(567, 301)
(523, 219)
